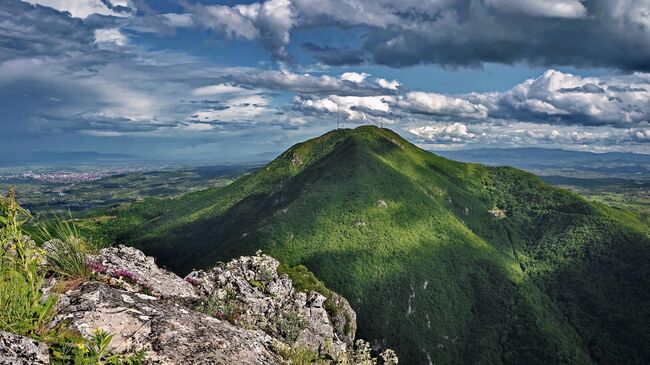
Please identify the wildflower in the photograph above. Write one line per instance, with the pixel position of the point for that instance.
(219, 314)
(81, 346)
(193, 281)
(96, 267)
(126, 275)
(97, 330)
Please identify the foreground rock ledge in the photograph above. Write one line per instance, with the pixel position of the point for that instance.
(156, 311)
(19, 350)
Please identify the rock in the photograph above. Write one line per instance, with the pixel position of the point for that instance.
(167, 332)
(345, 320)
(296, 161)
(382, 204)
(497, 213)
(251, 294)
(130, 261)
(239, 312)
(19, 350)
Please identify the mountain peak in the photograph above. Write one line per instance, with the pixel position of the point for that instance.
(488, 261)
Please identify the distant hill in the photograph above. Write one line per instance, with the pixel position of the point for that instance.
(556, 161)
(447, 262)
(62, 158)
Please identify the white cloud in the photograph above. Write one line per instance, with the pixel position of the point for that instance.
(305, 83)
(390, 85)
(455, 132)
(110, 36)
(544, 8)
(357, 108)
(354, 77)
(219, 89)
(418, 102)
(615, 100)
(84, 8)
(269, 22)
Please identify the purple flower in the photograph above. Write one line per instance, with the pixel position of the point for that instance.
(96, 267)
(219, 314)
(125, 274)
(193, 281)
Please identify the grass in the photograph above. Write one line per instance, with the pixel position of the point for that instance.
(23, 309)
(430, 272)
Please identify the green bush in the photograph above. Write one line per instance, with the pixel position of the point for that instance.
(289, 326)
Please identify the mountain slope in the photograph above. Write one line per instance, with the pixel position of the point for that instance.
(447, 262)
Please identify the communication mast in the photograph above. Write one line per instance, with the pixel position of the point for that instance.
(338, 116)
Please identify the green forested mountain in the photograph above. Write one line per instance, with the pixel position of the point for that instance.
(446, 262)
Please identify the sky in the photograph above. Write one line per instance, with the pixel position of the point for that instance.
(227, 80)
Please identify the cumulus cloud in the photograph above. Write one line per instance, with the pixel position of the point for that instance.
(350, 108)
(110, 36)
(418, 102)
(269, 22)
(613, 100)
(350, 83)
(391, 85)
(455, 132)
(85, 8)
(454, 135)
(354, 76)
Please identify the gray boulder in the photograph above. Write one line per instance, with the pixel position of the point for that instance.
(19, 350)
(167, 332)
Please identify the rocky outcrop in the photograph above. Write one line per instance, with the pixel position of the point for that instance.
(249, 292)
(138, 269)
(168, 332)
(19, 350)
(240, 312)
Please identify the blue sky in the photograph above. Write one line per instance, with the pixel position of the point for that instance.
(232, 80)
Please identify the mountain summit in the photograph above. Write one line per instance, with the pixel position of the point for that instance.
(446, 262)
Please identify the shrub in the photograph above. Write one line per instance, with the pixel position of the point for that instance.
(289, 326)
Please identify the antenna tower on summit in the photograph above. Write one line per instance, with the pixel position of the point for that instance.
(338, 116)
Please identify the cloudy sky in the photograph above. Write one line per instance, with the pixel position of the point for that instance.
(234, 79)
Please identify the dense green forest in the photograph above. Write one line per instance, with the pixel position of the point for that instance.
(446, 262)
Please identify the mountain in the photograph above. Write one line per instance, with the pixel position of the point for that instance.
(446, 262)
(553, 161)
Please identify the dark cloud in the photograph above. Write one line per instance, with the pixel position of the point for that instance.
(586, 88)
(335, 56)
(597, 33)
